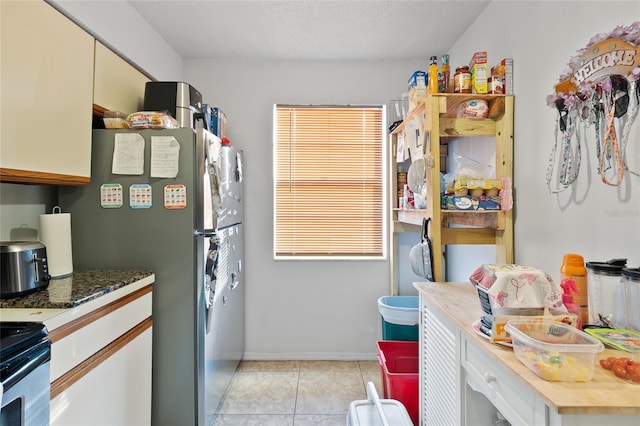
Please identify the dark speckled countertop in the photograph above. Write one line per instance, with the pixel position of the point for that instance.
(76, 289)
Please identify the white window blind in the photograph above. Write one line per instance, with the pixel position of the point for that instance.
(329, 181)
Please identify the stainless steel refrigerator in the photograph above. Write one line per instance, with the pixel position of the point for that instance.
(171, 201)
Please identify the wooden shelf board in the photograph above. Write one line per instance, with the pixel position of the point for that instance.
(468, 236)
(489, 219)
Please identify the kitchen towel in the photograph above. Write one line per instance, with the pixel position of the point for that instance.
(518, 286)
(55, 234)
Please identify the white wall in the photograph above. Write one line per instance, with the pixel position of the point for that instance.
(590, 218)
(298, 309)
(21, 206)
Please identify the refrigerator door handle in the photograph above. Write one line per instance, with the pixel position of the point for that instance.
(205, 233)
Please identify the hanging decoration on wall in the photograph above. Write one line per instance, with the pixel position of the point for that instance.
(601, 88)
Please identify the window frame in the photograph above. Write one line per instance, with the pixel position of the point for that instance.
(384, 185)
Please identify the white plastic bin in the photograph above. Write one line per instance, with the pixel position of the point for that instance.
(375, 411)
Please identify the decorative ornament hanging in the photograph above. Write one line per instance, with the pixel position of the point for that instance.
(600, 88)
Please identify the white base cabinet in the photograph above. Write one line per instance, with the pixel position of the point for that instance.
(101, 361)
(466, 380)
(115, 392)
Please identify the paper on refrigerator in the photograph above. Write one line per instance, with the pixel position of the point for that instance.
(128, 154)
(165, 153)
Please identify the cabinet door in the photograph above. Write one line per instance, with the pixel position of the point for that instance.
(47, 94)
(440, 372)
(118, 86)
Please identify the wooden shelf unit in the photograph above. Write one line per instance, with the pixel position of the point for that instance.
(440, 125)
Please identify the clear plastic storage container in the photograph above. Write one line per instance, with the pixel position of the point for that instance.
(554, 351)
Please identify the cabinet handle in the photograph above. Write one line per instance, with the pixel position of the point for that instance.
(489, 378)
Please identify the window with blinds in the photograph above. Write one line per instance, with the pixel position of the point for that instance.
(329, 185)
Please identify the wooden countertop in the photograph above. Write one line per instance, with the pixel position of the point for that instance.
(604, 394)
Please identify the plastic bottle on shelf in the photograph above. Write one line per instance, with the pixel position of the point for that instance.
(446, 74)
(433, 75)
(573, 268)
(568, 286)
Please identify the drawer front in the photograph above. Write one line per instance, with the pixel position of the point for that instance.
(96, 330)
(517, 403)
(104, 395)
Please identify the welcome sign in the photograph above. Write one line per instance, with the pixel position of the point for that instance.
(608, 57)
(599, 88)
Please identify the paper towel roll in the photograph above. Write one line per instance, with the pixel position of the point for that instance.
(55, 234)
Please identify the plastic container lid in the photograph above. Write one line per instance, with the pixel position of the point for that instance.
(572, 264)
(363, 413)
(558, 337)
(631, 273)
(401, 310)
(610, 267)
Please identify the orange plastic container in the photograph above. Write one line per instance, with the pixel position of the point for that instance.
(573, 268)
(399, 367)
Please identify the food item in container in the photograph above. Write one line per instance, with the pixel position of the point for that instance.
(462, 80)
(479, 72)
(476, 108)
(495, 86)
(115, 123)
(476, 192)
(446, 74)
(432, 81)
(115, 120)
(151, 120)
(554, 351)
(491, 192)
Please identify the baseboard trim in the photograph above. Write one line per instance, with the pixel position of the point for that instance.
(309, 356)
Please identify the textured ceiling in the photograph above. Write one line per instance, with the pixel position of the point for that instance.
(309, 29)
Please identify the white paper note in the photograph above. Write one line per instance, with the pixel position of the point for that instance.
(402, 149)
(165, 153)
(128, 154)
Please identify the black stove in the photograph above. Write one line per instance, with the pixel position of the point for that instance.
(23, 347)
(25, 352)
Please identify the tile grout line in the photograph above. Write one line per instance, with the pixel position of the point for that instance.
(295, 403)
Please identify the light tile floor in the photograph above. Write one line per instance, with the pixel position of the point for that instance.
(296, 393)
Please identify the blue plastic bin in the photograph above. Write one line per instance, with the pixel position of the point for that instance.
(400, 317)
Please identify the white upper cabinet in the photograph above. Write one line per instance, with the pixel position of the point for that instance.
(118, 85)
(47, 95)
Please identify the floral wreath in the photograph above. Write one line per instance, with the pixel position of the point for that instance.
(599, 86)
